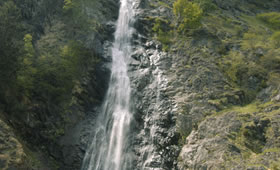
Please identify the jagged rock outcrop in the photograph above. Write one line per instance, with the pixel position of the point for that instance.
(199, 97)
(157, 145)
(12, 155)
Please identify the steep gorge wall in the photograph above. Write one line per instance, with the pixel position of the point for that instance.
(221, 123)
(188, 112)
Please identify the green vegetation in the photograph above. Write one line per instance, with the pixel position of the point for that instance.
(251, 68)
(272, 19)
(163, 31)
(256, 130)
(206, 5)
(239, 70)
(244, 47)
(44, 55)
(26, 73)
(188, 15)
(68, 4)
(276, 39)
(11, 42)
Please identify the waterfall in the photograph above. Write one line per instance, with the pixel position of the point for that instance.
(109, 146)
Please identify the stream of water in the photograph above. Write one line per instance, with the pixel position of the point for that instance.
(109, 146)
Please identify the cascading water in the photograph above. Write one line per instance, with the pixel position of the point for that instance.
(109, 147)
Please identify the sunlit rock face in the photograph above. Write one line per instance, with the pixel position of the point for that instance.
(12, 155)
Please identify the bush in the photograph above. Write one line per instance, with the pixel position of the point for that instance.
(206, 5)
(271, 61)
(163, 32)
(271, 18)
(68, 4)
(276, 39)
(233, 62)
(253, 40)
(25, 76)
(244, 74)
(189, 15)
(11, 43)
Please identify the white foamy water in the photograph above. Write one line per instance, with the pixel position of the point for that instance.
(109, 147)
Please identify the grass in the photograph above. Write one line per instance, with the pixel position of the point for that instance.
(250, 108)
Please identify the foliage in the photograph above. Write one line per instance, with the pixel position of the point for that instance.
(188, 14)
(272, 19)
(57, 73)
(271, 61)
(37, 80)
(246, 75)
(250, 68)
(253, 40)
(25, 75)
(164, 33)
(206, 5)
(32, 72)
(11, 50)
(68, 4)
(276, 39)
(28, 47)
(77, 19)
(10, 40)
(231, 64)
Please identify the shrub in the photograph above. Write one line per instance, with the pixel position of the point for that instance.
(188, 15)
(26, 74)
(68, 4)
(11, 43)
(233, 62)
(163, 31)
(255, 39)
(271, 18)
(276, 39)
(244, 74)
(28, 46)
(206, 5)
(270, 61)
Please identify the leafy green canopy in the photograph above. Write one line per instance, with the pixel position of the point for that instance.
(10, 40)
(188, 15)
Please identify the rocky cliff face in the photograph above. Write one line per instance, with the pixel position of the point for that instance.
(189, 114)
(12, 154)
(216, 130)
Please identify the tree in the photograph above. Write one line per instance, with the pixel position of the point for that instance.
(26, 74)
(11, 48)
(10, 40)
(188, 15)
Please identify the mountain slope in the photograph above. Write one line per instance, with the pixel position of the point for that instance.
(225, 80)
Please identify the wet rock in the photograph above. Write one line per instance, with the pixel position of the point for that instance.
(158, 139)
(75, 142)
